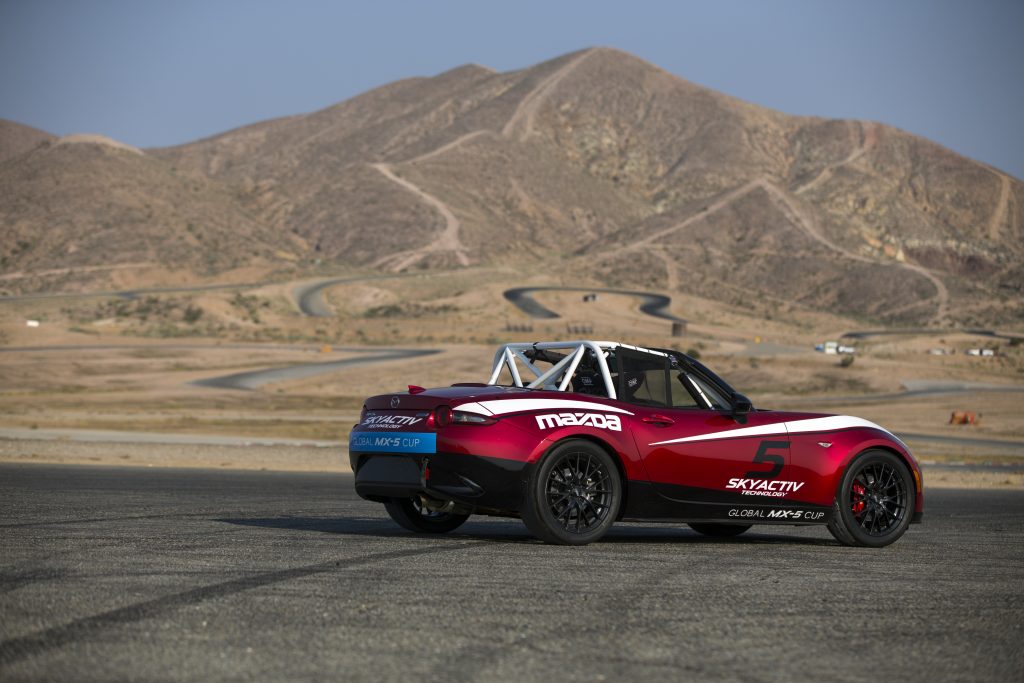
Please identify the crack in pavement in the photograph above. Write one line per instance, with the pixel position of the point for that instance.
(486, 655)
(16, 649)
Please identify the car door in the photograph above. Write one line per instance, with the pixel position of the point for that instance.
(707, 463)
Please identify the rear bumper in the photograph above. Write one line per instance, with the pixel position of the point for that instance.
(476, 481)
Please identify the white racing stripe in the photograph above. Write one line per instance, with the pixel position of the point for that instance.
(812, 424)
(763, 430)
(522, 405)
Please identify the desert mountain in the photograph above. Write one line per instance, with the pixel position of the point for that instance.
(86, 202)
(16, 139)
(595, 164)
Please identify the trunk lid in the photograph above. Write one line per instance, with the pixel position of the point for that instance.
(408, 403)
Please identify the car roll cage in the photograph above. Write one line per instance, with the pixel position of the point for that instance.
(559, 376)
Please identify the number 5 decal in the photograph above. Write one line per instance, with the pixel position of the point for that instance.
(764, 456)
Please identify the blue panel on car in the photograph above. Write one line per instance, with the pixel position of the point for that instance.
(401, 442)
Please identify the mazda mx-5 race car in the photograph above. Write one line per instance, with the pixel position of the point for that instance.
(607, 431)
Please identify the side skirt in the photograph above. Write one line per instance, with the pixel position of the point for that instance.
(644, 503)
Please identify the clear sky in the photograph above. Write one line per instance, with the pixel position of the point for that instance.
(162, 72)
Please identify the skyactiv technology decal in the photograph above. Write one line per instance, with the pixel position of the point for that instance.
(611, 422)
(774, 488)
(389, 421)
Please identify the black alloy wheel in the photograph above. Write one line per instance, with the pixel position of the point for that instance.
(875, 501)
(411, 514)
(574, 495)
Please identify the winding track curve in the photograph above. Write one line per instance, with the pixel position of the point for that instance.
(254, 379)
(309, 296)
(655, 305)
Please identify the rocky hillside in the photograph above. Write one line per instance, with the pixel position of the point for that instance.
(596, 164)
(17, 139)
(87, 204)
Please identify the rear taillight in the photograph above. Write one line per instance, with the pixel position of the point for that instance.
(460, 417)
(442, 416)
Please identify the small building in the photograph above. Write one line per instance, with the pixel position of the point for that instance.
(829, 347)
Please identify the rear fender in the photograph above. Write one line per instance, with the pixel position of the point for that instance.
(617, 442)
(616, 458)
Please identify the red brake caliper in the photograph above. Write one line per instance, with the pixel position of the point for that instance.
(858, 498)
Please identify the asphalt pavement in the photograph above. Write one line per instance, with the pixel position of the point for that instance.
(254, 379)
(651, 303)
(309, 296)
(147, 574)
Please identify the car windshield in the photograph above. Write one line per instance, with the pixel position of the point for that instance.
(694, 392)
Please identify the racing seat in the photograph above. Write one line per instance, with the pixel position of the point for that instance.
(589, 382)
(634, 381)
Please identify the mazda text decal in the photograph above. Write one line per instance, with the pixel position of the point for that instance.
(611, 422)
(764, 487)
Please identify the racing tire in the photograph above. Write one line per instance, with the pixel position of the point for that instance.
(573, 496)
(719, 530)
(410, 514)
(875, 501)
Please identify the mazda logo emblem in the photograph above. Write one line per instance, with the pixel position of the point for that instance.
(395, 401)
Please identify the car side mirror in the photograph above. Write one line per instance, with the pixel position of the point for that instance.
(741, 407)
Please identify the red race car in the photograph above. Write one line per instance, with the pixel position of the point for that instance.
(606, 431)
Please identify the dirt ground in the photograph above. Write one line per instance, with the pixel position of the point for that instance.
(277, 458)
(132, 365)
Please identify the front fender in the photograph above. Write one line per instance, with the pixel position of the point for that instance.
(821, 466)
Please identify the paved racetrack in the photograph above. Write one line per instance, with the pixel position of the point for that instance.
(309, 296)
(651, 303)
(253, 379)
(133, 574)
(980, 332)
